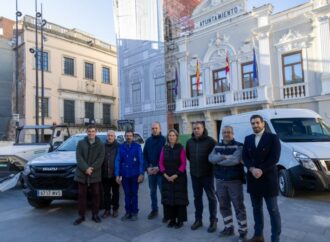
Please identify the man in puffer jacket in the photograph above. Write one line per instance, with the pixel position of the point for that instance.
(198, 148)
(229, 174)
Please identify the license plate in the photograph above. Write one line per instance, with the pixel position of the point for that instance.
(49, 193)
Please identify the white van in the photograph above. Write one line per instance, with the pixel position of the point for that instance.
(305, 146)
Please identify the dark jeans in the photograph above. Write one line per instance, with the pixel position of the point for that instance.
(131, 187)
(207, 184)
(154, 181)
(82, 198)
(110, 193)
(274, 213)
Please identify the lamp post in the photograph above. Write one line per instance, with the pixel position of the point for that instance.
(18, 14)
(38, 15)
(43, 23)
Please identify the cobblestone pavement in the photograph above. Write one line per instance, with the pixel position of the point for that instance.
(305, 218)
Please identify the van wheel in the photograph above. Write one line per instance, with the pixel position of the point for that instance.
(285, 183)
(39, 203)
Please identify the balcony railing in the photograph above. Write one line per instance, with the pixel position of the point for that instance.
(246, 95)
(83, 121)
(216, 99)
(294, 91)
(190, 102)
(255, 94)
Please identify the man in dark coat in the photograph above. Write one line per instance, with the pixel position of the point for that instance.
(198, 148)
(261, 152)
(89, 155)
(110, 186)
(151, 154)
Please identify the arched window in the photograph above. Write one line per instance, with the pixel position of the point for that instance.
(168, 29)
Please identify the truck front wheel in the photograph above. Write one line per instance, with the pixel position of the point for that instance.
(285, 183)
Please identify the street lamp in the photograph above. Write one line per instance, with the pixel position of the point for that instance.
(18, 14)
(43, 23)
(37, 16)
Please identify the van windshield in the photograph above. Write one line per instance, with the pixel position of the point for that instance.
(301, 129)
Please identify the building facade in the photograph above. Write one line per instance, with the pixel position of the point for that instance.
(80, 78)
(6, 28)
(140, 43)
(291, 67)
(6, 84)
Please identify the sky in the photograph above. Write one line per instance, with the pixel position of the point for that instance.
(95, 16)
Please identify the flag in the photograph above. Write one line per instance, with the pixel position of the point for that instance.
(227, 70)
(255, 69)
(198, 81)
(176, 84)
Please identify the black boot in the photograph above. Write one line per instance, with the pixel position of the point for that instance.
(213, 226)
(198, 223)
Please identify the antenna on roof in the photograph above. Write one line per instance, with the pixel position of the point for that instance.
(275, 110)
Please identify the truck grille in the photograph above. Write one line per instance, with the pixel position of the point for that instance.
(51, 177)
(51, 182)
(51, 170)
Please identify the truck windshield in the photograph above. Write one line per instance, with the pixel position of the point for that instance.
(301, 129)
(71, 143)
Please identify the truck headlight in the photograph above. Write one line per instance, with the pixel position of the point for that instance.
(27, 169)
(305, 161)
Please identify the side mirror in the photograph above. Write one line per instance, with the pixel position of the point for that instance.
(56, 144)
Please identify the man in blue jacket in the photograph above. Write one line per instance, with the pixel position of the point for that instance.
(151, 154)
(129, 170)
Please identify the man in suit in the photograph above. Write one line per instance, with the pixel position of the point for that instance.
(261, 152)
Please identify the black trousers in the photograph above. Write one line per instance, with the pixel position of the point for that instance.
(110, 193)
(175, 213)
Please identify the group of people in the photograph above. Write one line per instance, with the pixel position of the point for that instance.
(164, 160)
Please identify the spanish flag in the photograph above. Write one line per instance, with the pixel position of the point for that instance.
(227, 71)
(198, 78)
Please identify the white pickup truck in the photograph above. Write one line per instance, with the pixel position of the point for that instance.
(31, 142)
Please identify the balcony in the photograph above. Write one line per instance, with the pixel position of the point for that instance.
(257, 94)
(293, 91)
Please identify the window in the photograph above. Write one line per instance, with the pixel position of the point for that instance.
(89, 71)
(45, 60)
(292, 67)
(68, 66)
(136, 93)
(45, 103)
(89, 111)
(160, 89)
(171, 91)
(106, 75)
(247, 76)
(168, 29)
(106, 113)
(220, 83)
(69, 111)
(194, 86)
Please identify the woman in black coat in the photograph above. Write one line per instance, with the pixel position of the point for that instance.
(172, 164)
